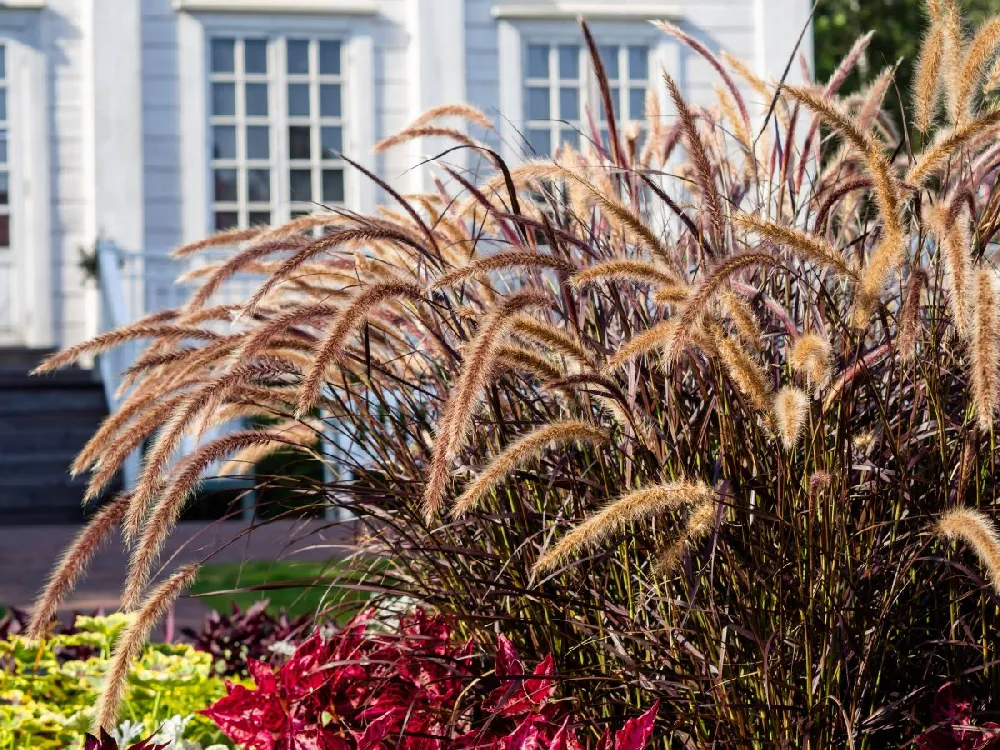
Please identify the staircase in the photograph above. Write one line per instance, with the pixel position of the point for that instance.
(44, 422)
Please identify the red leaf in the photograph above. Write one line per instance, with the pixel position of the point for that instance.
(636, 732)
(508, 662)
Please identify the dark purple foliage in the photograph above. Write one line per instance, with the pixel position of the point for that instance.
(245, 636)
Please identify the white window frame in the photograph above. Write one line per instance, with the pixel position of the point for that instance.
(516, 33)
(29, 197)
(194, 36)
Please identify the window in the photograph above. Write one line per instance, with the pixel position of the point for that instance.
(560, 86)
(276, 122)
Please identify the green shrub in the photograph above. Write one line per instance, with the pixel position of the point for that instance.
(48, 702)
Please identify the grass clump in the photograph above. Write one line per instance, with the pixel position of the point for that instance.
(779, 358)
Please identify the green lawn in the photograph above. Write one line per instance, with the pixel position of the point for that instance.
(300, 588)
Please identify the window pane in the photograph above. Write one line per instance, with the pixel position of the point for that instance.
(258, 146)
(540, 142)
(298, 57)
(3, 61)
(538, 103)
(3, 146)
(538, 61)
(258, 185)
(4, 188)
(333, 185)
(298, 99)
(259, 218)
(329, 58)
(569, 104)
(332, 138)
(609, 56)
(226, 219)
(636, 103)
(570, 136)
(569, 61)
(5, 231)
(3, 104)
(223, 99)
(300, 183)
(329, 100)
(299, 146)
(224, 142)
(223, 59)
(638, 62)
(255, 56)
(256, 104)
(225, 185)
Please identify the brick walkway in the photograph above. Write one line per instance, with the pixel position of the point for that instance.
(27, 554)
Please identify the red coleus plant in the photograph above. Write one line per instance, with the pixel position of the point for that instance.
(953, 730)
(372, 690)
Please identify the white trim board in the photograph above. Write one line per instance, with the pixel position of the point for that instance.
(573, 10)
(335, 7)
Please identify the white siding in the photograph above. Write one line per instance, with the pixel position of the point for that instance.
(732, 25)
(67, 53)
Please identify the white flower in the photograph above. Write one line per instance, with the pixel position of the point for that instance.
(170, 733)
(126, 732)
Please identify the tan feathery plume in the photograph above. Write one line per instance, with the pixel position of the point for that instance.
(648, 502)
(791, 406)
(130, 643)
(927, 73)
(746, 374)
(105, 341)
(885, 259)
(463, 111)
(982, 49)
(954, 45)
(521, 451)
(625, 269)
(240, 262)
(932, 158)
(756, 83)
(73, 564)
(503, 261)
(164, 516)
(556, 339)
(809, 247)
(653, 338)
(331, 350)
(686, 39)
(424, 131)
(227, 237)
(909, 313)
(876, 163)
(956, 245)
(456, 417)
(974, 528)
(984, 348)
(699, 524)
(297, 435)
(698, 305)
(525, 360)
(654, 124)
(115, 451)
(811, 355)
(743, 318)
(704, 174)
(157, 458)
(992, 80)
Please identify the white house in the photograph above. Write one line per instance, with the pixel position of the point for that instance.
(149, 123)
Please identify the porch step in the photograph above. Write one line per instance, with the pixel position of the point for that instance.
(44, 422)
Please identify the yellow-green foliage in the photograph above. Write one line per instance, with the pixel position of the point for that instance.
(48, 702)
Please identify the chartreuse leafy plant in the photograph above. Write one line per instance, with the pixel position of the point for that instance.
(704, 409)
(47, 701)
